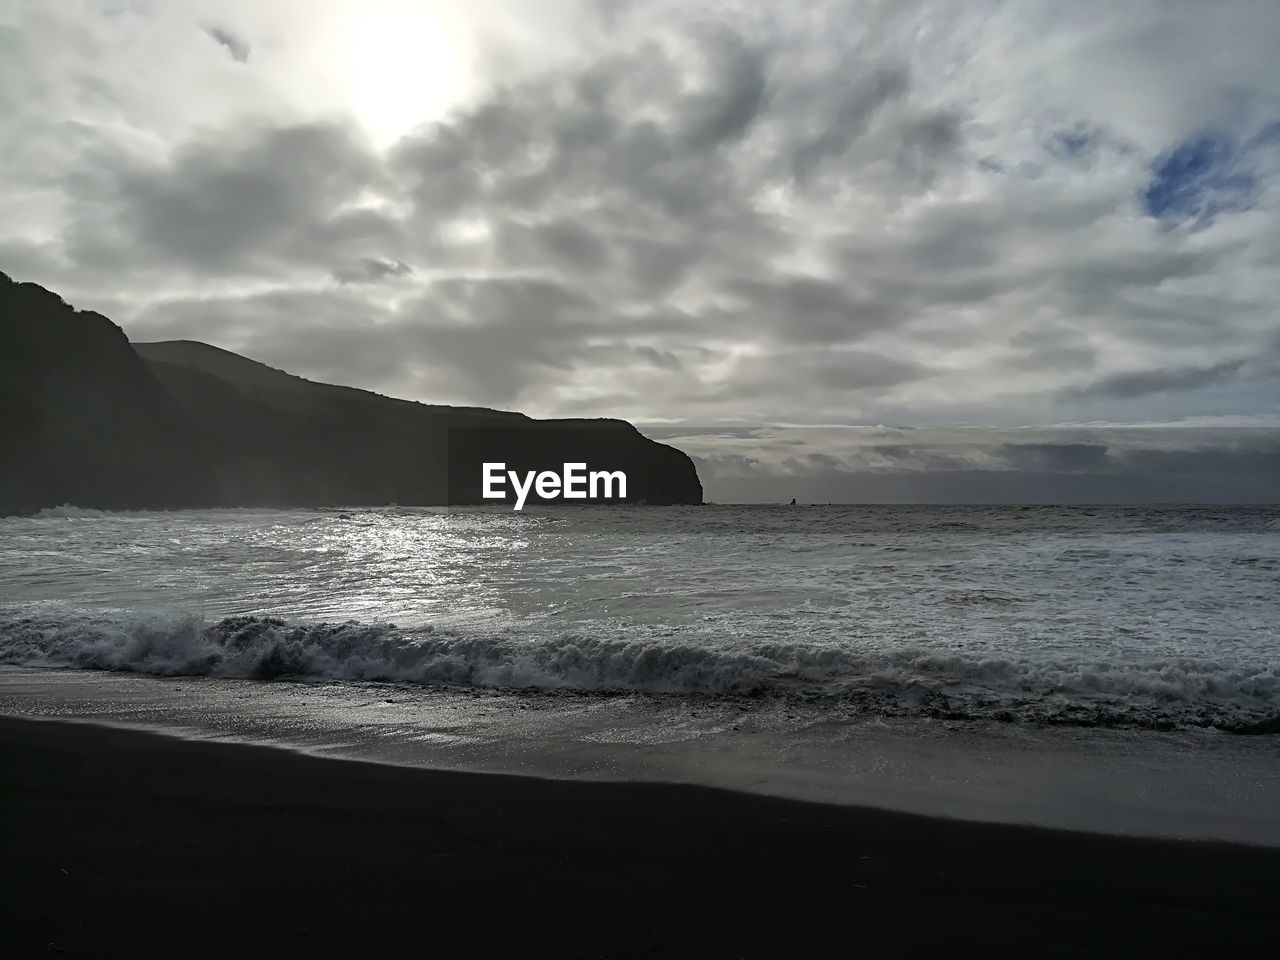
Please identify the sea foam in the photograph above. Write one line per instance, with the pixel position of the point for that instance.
(1182, 692)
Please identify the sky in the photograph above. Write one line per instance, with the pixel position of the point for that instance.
(872, 249)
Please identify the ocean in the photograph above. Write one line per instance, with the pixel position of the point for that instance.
(802, 649)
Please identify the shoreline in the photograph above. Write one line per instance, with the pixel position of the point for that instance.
(137, 842)
(1185, 785)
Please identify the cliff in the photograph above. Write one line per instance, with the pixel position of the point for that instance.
(88, 418)
(82, 419)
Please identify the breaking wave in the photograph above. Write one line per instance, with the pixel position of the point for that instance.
(1161, 695)
(69, 512)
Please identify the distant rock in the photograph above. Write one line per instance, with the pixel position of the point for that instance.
(89, 419)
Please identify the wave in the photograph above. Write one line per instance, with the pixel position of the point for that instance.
(1168, 694)
(69, 512)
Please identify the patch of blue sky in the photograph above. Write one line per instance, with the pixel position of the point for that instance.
(1206, 175)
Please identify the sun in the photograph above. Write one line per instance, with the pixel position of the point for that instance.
(402, 63)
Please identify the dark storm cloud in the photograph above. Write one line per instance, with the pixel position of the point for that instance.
(675, 432)
(828, 139)
(1054, 457)
(1249, 458)
(809, 309)
(234, 45)
(913, 458)
(1054, 350)
(634, 143)
(798, 372)
(731, 96)
(561, 244)
(255, 201)
(1060, 465)
(1077, 142)
(370, 269)
(499, 336)
(496, 336)
(726, 464)
(1142, 382)
(929, 143)
(1094, 282)
(659, 358)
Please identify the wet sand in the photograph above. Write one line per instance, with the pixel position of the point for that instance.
(124, 842)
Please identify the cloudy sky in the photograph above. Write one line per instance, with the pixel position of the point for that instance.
(965, 238)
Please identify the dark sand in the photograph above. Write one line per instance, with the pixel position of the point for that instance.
(126, 843)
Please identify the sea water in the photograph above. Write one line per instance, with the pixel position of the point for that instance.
(798, 644)
(1146, 617)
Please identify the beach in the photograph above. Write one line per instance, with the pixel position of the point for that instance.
(126, 842)
(731, 732)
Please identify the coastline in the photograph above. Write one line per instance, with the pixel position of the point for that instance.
(1192, 784)
(136, 842)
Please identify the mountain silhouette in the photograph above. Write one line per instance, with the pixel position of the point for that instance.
(88, 418)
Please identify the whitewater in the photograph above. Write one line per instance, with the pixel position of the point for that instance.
(1148, 618)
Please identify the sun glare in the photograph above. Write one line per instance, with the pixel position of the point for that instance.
(403, 64)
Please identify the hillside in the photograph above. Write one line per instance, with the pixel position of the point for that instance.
(93, 420)
(287, 389)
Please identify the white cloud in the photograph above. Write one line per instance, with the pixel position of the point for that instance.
(837, 212)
